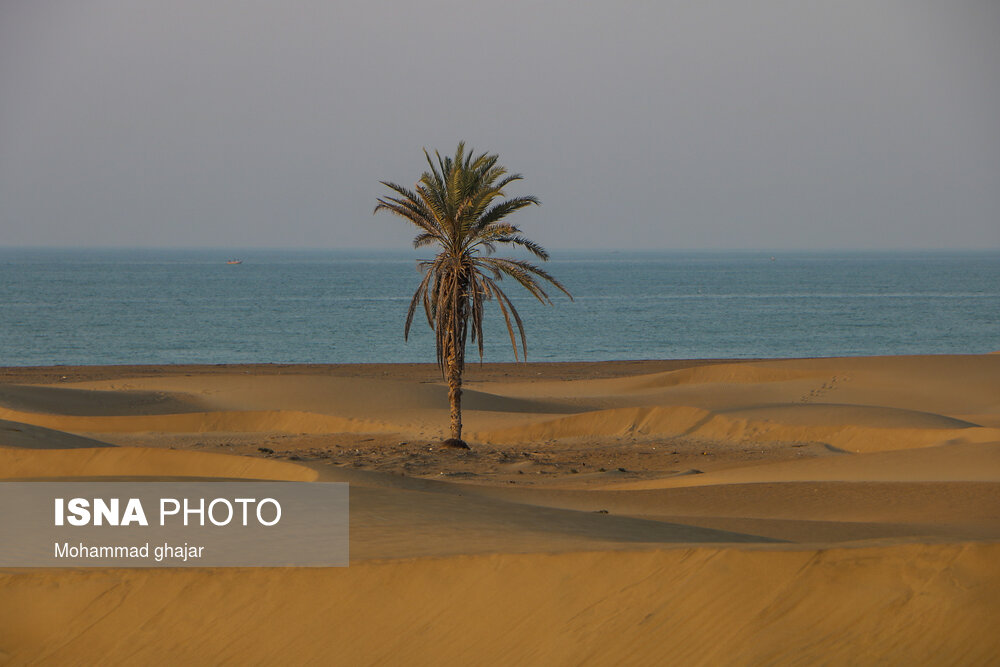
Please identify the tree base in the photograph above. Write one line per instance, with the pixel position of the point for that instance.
(455, 443)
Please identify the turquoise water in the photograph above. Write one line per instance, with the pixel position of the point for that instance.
(184, 306)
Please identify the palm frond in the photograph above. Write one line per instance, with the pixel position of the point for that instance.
(426, 238)
(526, 267)
(504, 301)
(503, 209)
(419, 295)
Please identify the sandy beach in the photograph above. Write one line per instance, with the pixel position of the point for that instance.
(843, 510)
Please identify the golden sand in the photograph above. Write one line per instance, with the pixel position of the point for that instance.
(844, 511)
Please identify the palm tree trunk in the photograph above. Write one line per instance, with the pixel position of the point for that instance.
(455, 393)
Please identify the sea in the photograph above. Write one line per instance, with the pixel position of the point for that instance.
(182, 306)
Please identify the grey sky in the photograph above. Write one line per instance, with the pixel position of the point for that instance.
(854, 124)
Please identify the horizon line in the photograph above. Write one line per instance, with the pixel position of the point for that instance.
(610, 250)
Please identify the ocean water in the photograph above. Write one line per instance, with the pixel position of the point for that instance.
(189, 306)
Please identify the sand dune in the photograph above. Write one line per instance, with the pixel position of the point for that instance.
(967, 462)
(28, 436)
(83, 401)
(852, 428)
(21, 464)
(775, 512)
(833, 414)
(291, 421)
(906, 604)
(329, 395)
(949, 385)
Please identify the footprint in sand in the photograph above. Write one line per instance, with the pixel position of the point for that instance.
(824, 389)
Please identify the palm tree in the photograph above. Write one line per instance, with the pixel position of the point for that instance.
(452, 205)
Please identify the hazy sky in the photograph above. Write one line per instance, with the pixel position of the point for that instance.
(839, 124)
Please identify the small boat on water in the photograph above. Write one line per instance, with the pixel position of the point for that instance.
(234, 261)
